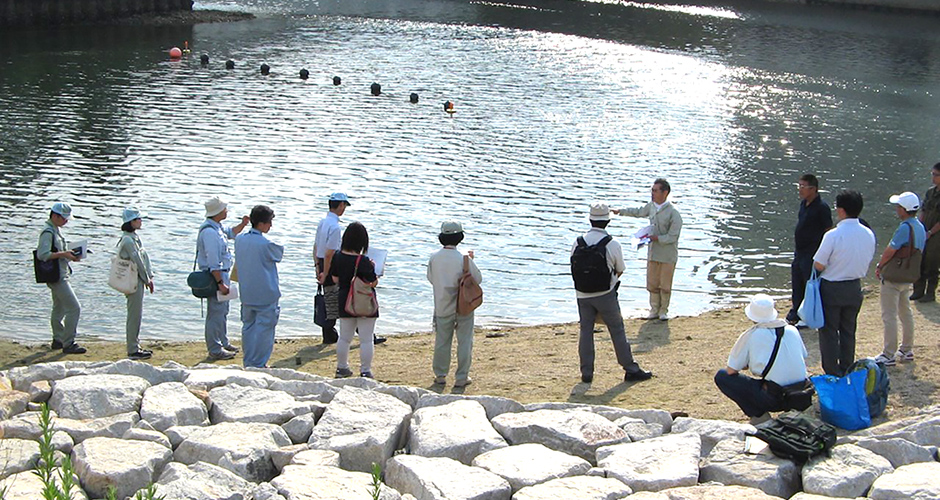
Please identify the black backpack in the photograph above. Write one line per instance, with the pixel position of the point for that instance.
(589, 266)
(796, 436)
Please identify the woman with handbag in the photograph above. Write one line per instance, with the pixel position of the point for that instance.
(358, 308)
(898, 269)
(130, 248)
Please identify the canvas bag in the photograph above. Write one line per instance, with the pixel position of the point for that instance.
(811, 310)
(123, 275)
(904, 266)
(842, 400)
(361, 301)
(469, 293)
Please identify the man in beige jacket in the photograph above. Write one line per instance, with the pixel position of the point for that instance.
(665, 224)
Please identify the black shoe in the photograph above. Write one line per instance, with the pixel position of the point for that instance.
(927, 298)
(378, 340)
(637, 376)
(917, 295)
(74, 349)
(56, 345)
(587, 379)
(141, 354)
(232, 348)
(328, 342)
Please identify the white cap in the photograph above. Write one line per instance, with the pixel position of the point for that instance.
(907, 199)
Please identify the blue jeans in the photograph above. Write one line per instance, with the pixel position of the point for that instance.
(748, 393)
(258, 324)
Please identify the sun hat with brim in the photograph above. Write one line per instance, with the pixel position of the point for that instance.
(599, 211)
(130, 214)
(907, 199)
(215, 206)
(451, 227)
(63, 209)
(761, 309)
(340, 197)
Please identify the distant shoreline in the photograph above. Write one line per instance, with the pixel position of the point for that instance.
(182, 18)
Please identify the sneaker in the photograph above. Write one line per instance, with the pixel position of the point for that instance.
(463, 383)
(653, 314)
(440, 380)
(378, 340)
(231, 348)
(223, 354)
(664, 317)
(141, 354)
(927, 298)
(904, 357)
(56, 345)
(343, 373)
(637, 376)
(74, 349)
(885, 360)
(366, 375)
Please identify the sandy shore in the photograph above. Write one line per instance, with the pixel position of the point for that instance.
(532, 364)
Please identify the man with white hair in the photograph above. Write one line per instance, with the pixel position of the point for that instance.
(754, 350)
(213, 254)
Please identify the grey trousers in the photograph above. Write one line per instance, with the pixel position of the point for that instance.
(445, 327)
(216, 325)
(135, 310)
(608, 308)
(65, 312)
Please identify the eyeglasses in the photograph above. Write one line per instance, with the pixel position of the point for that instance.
(803, 186)
(935, 174)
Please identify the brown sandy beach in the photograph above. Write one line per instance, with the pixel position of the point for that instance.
(540, 363)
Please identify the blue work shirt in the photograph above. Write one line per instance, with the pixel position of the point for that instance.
(257, 258)
(212, 251)
(903, 234)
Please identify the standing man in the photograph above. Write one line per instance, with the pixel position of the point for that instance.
(212, 254)
(842, 259)
(65, 307)
(925, 289)
(813, 221)
(663, 253)
(327, 243)
(596, 266)
(257, 259)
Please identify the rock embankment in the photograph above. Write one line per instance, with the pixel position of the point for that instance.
(208, 433)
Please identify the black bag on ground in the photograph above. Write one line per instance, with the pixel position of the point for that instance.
(589, 267)
(796, 436)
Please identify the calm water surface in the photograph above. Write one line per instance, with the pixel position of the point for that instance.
(558, 104)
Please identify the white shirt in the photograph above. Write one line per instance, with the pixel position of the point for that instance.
(614, 259)
(329, 235)
(846, 251)
(754, 347)
(444, 271)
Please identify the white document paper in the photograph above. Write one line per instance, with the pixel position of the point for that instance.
(232, 293)
(642, 237)
(378, 256)
(756, 446)
(80, 248)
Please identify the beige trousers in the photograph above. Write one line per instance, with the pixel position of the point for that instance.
(659, 285)
(895, 304)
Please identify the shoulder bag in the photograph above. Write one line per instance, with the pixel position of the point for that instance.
(904, 266)
(123, 275)
(469, 293)
(361, 301)
(798, 396)
(811, 309)
(47, 271)
(202, 283)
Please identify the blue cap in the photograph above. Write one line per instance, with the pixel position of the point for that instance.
(340, 197)
(63, 209)
(131, 214)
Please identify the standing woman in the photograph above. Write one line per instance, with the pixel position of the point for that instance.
(130, 248)
(342, 270)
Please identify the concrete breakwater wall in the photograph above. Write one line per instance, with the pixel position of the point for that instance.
(926, 6)
(53, 12)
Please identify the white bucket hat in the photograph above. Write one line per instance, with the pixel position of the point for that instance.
(215, 206)
(599, 211)
(761, 309)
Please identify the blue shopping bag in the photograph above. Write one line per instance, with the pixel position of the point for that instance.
(842, 400)
(811, 310)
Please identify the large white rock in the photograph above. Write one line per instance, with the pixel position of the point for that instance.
(147, 435)
(126, 465)
(265, 491)
(299, 428)
(28, 486)
(898, 451)
(311, 482)
(529, 464)
(366, 384)
(408, 395)
(283, 455)
(26, 426)
(239, 403)
(12, 403)
(310, 389)
(458, 430)
(17, 455)
(575, 488)
(22, 376)
(654, 464)
(288, 374)
(154, 375)
(171, 404)
(320, 458)
(922, 429)
(114, 426)
(848, 472)
(179, 433)
(579, 433)
(244, 449)
(728, 464)
(611, 413)
(920, 481)
(444, 479)
(712, 431)
(715, 491)
(97, 396)
(210, 378)
(39, 391)
(201, 481)
(494, 405)
(364, 427)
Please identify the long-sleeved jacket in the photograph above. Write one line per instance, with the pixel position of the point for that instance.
(666, 224)
(131, 249)
(50, 236)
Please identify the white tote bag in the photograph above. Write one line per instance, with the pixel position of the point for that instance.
(123, 276)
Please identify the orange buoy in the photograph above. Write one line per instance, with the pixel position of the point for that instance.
(176, 53)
